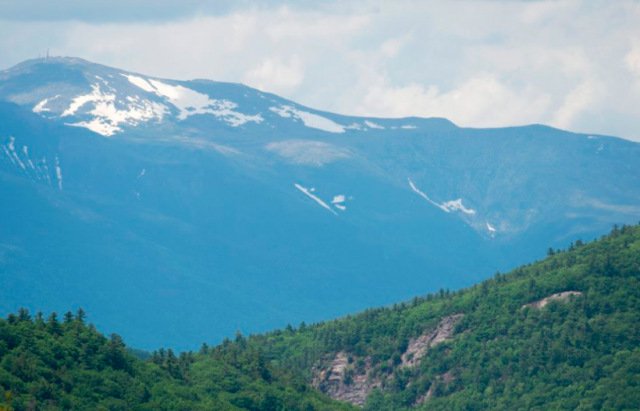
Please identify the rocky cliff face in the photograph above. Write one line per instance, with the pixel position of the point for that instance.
(350, 379)
(343, 381)
(558, 297)
(418, 346)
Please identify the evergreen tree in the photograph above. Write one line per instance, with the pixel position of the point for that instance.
(81, 315)
(23, 314)
(53, 324)
(68, 317)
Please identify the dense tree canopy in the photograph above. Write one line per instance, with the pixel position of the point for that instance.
(68, 365)
(579, 354)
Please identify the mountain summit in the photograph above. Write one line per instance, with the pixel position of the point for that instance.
(201, 207)
(110, 101)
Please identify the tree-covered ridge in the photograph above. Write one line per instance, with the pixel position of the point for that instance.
(53, 364)
(504, 353)
(581, 353)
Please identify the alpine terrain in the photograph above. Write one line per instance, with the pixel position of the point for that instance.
(178, 212)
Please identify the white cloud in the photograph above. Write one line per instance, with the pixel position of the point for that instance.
(481, 101)
(275, 76)
(632, 61)
(391, 47)
(575, 103)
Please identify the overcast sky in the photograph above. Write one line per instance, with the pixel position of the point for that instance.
(572, 64)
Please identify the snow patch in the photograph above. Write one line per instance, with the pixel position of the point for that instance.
(449, 206)
(46, 169)
(337, 202)
(491, 228)
(25, 150)
(9, 155)
(139, 82)
(59, 173)
(190, 102)
(97, 125)
(373, 125)
(309, 119)
(423, 195)
(40, 107)
(79, 101)
(409, 127)
(13, 154)
(308, 192)
(143, 172)
(456, 205)
(107, 116)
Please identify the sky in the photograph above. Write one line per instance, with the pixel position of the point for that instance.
(571, 64)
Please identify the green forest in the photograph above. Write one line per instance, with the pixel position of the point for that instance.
(579, 354)
(65, 364)
(507, 351)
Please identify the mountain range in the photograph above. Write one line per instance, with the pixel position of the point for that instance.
(181, 211)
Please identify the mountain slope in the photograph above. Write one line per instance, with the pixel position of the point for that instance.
(206, 207)
(557, 334)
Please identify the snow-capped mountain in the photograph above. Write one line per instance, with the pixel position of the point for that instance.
(189, 201)
(110, 101)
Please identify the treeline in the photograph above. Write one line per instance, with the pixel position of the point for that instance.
(578, 354)
(52, 364)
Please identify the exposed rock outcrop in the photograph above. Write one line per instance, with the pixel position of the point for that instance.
(350, 379)
(558, 296)
(343, 381)
(418, 346)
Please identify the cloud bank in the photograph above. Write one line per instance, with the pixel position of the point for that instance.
(573, 64)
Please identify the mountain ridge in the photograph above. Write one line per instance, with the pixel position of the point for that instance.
(143, 84)
(273, 222)
(520, 340)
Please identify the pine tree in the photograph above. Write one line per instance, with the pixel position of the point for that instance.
(68, 317)
(81, 315)
(23, 314)
(115, 353)
(204, 348)
(53, 324)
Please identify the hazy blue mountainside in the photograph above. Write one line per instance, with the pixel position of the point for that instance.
(201, 207)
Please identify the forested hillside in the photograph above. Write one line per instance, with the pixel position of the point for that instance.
(64, 364)
(559, 334)
(562, 333)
